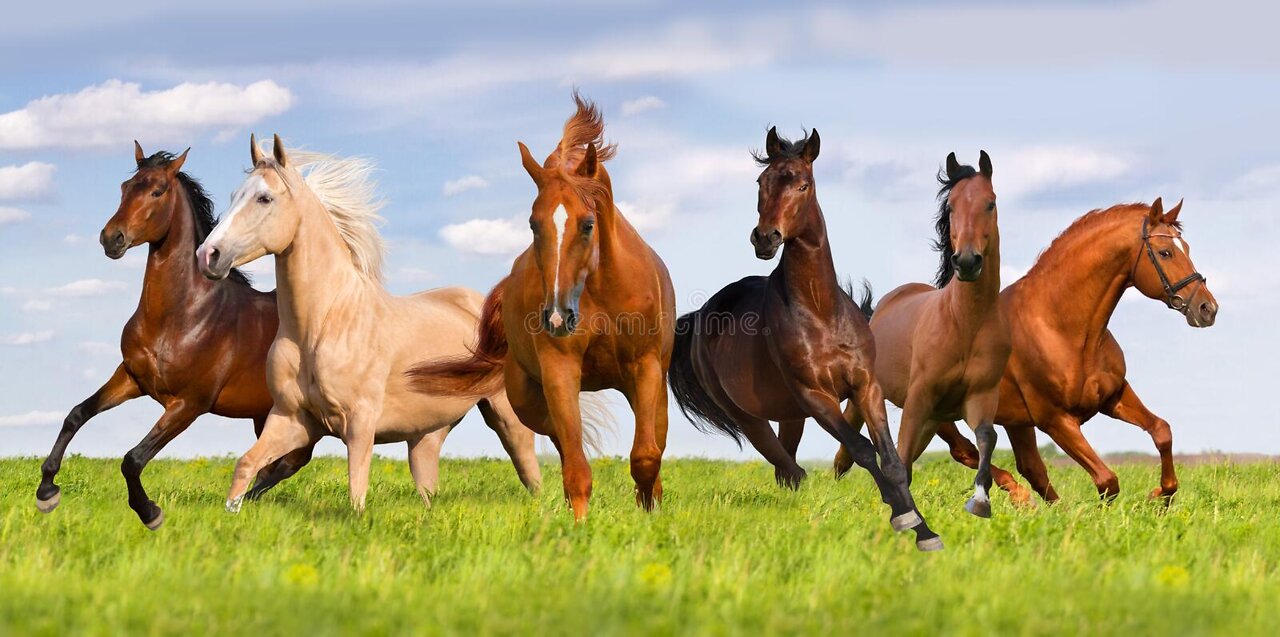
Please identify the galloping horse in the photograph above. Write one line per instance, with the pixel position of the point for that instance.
(193, 345)
(791, 345)
(1066, 366)
(337, 364)
(587, 307)
(942, 349)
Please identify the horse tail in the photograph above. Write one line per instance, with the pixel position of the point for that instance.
(694, 401)
(598, 422)
(480, 372)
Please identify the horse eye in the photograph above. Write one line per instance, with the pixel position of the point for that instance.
(157, 193)
(804, 187)
(991, 207)
(588, 226)
(1166, 254)
(264, 199)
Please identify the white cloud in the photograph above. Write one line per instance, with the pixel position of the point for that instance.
(32, 418)
(37, 305)
(73, 239)
(28, 338)
(98, 347)
(87, 287)
(642, 104)
(1034, 170)
(30, 181)
(113, 113)
(12, 215)
(646, 217)
(489, 237)
(458, 186)
(1261, 181)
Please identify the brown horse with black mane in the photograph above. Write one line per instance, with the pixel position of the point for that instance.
(1066, 366)
(942, 348)
(589, 306)
(792, 345)
(193, 345)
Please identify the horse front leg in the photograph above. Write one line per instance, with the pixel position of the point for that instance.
(359, 438)
(980, 413)
(1129, 408)
(561, 384)
(648, 398)
(178, 415)
(119, 388)
(283, 433)
(965, 453)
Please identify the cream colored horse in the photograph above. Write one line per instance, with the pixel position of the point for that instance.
(338, 362)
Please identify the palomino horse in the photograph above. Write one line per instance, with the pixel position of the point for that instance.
(1066, 366)
(792, 345)
(941, 350)
(193, 345)
(588, 306)
(337, 365)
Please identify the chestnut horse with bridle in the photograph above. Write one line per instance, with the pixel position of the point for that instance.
(792, 345)
(1066, 366)
(941, 349)
(589, 306)
(193, 345)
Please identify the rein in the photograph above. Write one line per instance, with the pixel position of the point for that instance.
(1172, 299)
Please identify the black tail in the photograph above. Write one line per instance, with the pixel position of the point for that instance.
(694, 402)
(864, 302)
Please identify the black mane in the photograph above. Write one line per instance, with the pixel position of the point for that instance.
(789, 150)
(943, 222)
(201, 205)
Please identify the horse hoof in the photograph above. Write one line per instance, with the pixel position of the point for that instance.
(48, 505)
(908, 520)
(155, 523)
(233, 505)
(980, 508)
(930, 545)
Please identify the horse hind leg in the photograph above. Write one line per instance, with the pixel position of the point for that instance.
(760, 434)
(424, 461)
(517, 439)
(119, 388)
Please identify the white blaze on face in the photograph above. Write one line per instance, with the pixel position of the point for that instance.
(1182, 245)
(560, 222)
(248, 191)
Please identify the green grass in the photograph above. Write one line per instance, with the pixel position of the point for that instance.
(729, 553)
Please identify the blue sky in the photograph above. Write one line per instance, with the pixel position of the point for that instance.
(1080, 106)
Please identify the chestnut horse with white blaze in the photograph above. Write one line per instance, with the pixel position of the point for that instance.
(792, 345)
(940, 351)
(1066, 366)
(338, 361)
(589, 306)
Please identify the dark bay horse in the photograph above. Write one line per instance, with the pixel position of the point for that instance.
(1066, 366)
(792, 345)
(942, 348)
(588, 306)
(193, 345)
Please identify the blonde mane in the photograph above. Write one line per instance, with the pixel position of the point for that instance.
(347, 190)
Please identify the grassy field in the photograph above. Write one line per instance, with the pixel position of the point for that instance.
(729, 553)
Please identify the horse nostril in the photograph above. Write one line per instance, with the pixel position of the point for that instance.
(977, 260)
(775, 237)
(955, 260)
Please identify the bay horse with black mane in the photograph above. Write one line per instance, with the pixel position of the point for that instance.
(193, 345)
(942, 348)
(792, 345)
(588, 306)
(1066, 366)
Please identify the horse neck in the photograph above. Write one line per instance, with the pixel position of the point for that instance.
(807, 268)
(172, 284)
(1082, 276)
(313, 271)
(973, 302)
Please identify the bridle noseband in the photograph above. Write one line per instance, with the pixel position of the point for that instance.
(1171, 296)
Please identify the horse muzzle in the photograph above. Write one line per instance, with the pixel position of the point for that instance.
(766, 244)
(968, 266)
(1201, 313)
(213, 263)
(560, 322)
(114, 244)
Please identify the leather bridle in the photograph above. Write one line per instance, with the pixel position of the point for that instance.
(1172, 299)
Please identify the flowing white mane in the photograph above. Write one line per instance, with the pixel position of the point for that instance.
(347, 190)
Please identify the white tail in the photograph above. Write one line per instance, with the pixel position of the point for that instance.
(598, 423)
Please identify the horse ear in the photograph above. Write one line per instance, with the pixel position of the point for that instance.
(531, 165)
(255, 153)
(1157, 211)
(1171, 217)
(984, 164)
(138, 155)
(811, 146)
(953, 167)
(277, 149)
(772, 147)
(589, 164)
(176, 164)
